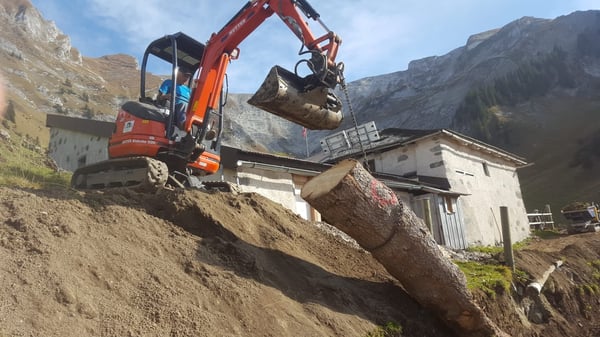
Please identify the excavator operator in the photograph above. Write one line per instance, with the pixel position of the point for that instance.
(182, 95)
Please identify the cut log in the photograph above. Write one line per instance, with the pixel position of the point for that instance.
(351, 199)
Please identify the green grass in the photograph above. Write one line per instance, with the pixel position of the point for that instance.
(390, 329)
(595, 270)
(547, 234)
(21, 165)
(495, 250)
(489, 278)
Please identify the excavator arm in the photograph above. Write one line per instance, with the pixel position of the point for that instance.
(306, 101)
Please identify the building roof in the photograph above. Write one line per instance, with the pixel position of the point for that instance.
(394, 137)
(234, 157)
(76, 124)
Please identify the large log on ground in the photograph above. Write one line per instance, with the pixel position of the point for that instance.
(351, 199)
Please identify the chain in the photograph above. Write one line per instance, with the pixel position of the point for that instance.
(347, 95)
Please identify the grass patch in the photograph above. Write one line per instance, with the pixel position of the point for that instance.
(595, 270)
(486, 277)
(493, 250)
(22, 165)
(588, 289)
(521, 276)
(390, 329)
(547, 234)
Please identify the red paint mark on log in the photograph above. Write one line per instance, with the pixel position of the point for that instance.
(383, 195)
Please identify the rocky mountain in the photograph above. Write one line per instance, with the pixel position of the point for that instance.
(529, 87)
(431, 91)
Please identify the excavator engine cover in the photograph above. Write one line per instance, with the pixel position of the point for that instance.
(283, 93)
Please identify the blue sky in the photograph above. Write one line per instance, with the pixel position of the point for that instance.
(379, 37)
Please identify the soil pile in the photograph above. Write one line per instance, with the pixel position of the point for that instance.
(191, 263)
(186, 263)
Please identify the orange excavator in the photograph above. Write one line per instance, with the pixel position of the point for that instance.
(148, 148)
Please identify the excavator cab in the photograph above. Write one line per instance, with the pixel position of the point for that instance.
(179, 51)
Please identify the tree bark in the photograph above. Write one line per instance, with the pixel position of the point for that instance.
(352, 200)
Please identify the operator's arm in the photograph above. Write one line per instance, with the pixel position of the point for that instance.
(164, 90)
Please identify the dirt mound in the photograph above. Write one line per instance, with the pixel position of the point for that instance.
(186, 264)
(569, 302)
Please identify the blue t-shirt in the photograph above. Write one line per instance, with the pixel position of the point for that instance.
(182, 98)
(182, 93)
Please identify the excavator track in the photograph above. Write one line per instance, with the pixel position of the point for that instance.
(139, 173)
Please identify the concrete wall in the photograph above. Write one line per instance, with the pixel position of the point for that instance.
(72, 149)
(400, 161)
(492, 182)
(424, 158)
(281, 187)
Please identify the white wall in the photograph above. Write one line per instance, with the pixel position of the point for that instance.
(399, 161)
(488, 191)
(276, 186)
(424, 158)
(72, 149)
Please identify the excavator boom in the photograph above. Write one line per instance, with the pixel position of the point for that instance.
(308, 101)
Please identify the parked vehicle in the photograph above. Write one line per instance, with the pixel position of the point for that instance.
(583, 217)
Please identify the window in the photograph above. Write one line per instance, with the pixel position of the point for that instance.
(464, 173)
(485, 169)
(81, 161)
(450, 204)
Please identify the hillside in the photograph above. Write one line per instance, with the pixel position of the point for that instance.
(191, 263)
(560, 137)
(45, 74)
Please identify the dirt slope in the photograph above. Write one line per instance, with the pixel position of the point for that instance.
(185, 264)
(188, 263)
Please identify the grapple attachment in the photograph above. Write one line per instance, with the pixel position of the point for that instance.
(285, 94)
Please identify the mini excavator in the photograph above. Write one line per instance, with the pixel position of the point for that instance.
(148, 150)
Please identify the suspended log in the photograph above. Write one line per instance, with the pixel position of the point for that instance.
(351, 199)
